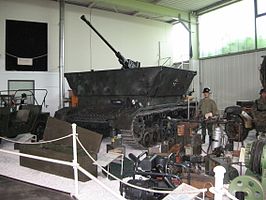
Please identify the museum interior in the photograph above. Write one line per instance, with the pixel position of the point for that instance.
(133, 99)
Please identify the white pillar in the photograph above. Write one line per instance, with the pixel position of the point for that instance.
(75, 160)
(219, 181)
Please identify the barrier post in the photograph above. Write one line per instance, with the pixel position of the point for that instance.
(219, 181)
(75, 160)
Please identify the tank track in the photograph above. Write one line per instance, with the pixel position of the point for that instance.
(152, 125)
(144, 128)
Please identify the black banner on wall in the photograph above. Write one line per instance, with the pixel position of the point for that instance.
(26, 46)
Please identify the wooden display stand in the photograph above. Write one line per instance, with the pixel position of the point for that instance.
(62, 150)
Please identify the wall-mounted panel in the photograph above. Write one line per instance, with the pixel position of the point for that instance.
(26, 46)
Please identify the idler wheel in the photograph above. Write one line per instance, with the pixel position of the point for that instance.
(147, 138)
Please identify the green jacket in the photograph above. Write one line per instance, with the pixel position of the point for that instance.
(207, 105)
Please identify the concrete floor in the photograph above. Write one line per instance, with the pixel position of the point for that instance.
(11, 189)
(90, 190)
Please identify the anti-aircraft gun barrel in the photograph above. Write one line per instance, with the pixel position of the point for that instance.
(126, 63)
(92, 27)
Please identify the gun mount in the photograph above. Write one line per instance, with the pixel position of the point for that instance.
(126, 63)
(135, 102)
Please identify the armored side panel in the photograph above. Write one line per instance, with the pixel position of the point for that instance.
(150, 85)
(136, 102)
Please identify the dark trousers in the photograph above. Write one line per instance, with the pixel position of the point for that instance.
(206, 126)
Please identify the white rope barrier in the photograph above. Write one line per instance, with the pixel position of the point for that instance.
(38, 157)
(76, 194)
(76, 167)
(73, 164)
(134, 186)
(36, 143)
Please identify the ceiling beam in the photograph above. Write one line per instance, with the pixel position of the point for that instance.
(146, 7)
(214, 6)
(156, 1)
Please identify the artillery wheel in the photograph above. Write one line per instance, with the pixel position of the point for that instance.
(146, 141)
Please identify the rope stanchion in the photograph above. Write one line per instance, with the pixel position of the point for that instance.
(76, 166)
(75, 160)
(218, 190)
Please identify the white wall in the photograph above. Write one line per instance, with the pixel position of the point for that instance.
(232, 78)
(31, 10)
(40, 11)
(136, 38)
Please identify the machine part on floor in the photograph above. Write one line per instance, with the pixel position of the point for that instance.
(217, 138)
(190, 146)
(20, 112)
(186, 137)
(134, 101)
(212, 161)
(136, 194)
(255, 160)
(156, 170)
(238, 124)
(248, 187)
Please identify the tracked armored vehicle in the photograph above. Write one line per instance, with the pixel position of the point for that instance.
(134, 101)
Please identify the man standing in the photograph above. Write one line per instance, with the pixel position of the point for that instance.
(207, 110)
